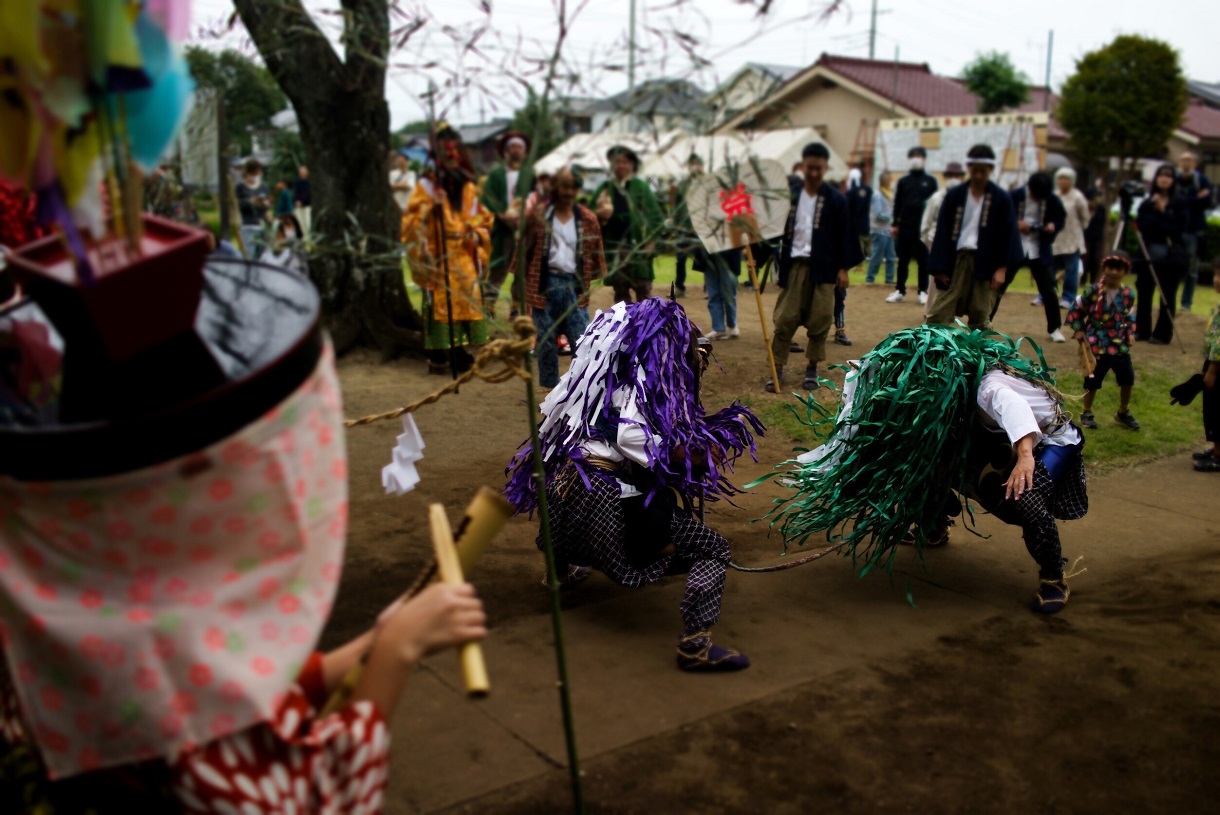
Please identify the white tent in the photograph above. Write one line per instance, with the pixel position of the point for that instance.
(588, 150)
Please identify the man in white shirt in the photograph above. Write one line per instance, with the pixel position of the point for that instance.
(975, 242)
(402, 180)
(818, 248)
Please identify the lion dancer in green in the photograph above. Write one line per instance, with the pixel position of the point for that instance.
(504, 194)
(930, 417)
(631, 223)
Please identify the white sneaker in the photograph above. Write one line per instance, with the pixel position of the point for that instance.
(896, 297)
(1065, 303)
(1057, 336)
(923, 298)
(1037, 301)
(734, 332)
(716, 335)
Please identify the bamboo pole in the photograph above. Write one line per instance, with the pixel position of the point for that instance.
(474, 668)
(752, 268)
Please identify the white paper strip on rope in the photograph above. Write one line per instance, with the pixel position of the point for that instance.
(400, 476)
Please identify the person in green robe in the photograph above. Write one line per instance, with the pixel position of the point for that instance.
(631, 223)
(504, 193)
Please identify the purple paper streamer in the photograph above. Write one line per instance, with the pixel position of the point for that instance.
(52, 209)
(655, 344)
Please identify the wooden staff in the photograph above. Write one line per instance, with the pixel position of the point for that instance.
(474, 670)
(485, 517)
(752, 268)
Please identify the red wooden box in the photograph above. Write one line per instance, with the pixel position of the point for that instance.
(137, 301)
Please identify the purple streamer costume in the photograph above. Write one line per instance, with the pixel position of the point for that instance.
(627, 449)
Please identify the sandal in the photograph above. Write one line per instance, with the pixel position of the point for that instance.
(698, 654)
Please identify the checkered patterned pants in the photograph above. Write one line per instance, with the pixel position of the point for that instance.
(1038, 508)
(587, 529)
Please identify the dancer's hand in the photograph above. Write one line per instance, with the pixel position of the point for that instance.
(841, 281)
(1022, 477)
(942, 281)
(997, 279)
(1209, 378)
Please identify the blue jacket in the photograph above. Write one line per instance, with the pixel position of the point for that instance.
(1050, 211)
(834, 246)
(999, 241)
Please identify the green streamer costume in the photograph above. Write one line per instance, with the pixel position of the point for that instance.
(901, 440)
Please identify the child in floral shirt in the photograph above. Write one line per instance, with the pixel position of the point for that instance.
(1208, 461)
(1102, 317)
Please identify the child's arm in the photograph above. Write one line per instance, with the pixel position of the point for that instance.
(439, 617)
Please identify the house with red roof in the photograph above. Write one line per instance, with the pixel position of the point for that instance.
(840, 96)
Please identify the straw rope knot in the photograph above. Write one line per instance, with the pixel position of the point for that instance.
(498, 361)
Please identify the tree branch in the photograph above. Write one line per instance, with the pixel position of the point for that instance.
(288, 39)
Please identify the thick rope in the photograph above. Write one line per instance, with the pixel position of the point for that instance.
(508, 353)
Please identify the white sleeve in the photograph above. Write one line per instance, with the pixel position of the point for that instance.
(633, 439)
(1008, 409)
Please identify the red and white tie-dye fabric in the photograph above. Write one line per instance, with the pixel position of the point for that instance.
(336, 765)
(152, 611)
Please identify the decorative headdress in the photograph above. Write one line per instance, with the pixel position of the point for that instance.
(644, 352)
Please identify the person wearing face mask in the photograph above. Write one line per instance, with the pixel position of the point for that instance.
(285, 251)
(914, 190)
(1196, 190)
(253, 199)
(1163, 218)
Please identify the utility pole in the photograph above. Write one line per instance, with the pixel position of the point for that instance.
(1050, 48)
(894, 90)
(872, 30)
(872, 33)
(631, 51)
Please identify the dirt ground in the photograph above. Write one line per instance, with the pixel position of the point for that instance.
(1107, 709)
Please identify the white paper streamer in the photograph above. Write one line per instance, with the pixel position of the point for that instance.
(400, 476)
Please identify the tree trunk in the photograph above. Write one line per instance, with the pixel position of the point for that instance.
(345, 127)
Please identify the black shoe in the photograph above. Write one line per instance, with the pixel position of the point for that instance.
(1088, 420)
(1208, 465)
(697, 653)
(1204, 455)
(841, 337)
(1127, 420)
(794, 348)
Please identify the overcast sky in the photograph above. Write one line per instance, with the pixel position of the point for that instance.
(946, 34)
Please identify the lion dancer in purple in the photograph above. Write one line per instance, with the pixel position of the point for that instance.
(628, 452)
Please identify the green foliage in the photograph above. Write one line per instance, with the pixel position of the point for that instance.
(287, 154)
(1125, 100)
(996, 81)
(537, 121)
(251, 95)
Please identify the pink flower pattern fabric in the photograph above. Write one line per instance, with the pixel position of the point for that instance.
(149, 613)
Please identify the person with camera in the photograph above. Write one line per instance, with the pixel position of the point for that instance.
(1196, 190)
(1040, 217)
(1162, 220)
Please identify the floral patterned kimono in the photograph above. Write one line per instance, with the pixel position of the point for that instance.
(468, 249)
